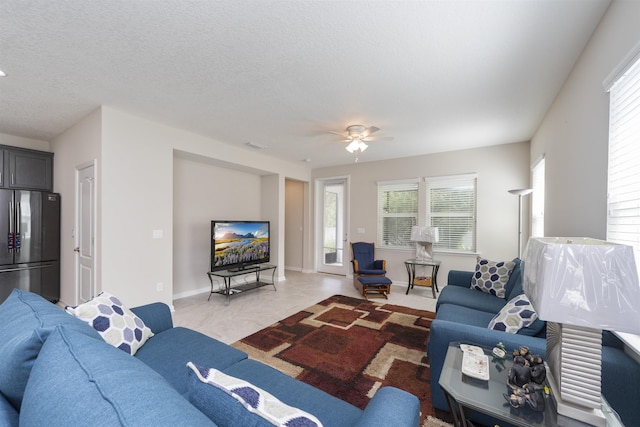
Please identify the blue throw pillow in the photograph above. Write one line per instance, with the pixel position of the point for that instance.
(26, 321)
(77, 381)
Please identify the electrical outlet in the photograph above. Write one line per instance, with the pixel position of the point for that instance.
(159, 287)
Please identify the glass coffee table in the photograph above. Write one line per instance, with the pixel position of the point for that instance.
(465, 393)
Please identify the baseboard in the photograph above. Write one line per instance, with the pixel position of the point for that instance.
(191, 292)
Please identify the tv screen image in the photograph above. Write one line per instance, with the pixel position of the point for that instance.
(238, 244)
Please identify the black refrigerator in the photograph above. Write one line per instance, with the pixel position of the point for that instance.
(30, 243)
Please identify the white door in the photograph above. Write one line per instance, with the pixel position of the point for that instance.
(332, 249)
(85, 232)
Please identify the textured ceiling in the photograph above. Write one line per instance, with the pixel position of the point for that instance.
(435, 75)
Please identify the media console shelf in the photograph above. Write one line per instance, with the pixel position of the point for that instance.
(227, 275)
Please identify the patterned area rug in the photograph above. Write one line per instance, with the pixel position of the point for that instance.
(350, 348)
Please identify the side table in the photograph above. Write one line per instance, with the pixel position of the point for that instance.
(464, 393)
(431, 282)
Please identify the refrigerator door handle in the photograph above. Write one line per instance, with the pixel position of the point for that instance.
(16, 239)
(33, 267)
(10, 234)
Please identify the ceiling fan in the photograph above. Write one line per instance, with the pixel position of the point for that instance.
(356, 136)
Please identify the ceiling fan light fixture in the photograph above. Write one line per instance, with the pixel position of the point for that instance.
(362, 146)
(353, 146)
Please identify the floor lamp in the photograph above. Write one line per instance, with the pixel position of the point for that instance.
(520, 192)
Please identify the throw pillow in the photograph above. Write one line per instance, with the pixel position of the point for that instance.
(114, 322)
(517, 314)
(235, 395)
(491, 277)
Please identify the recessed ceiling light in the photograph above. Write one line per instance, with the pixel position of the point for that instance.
(3, 74)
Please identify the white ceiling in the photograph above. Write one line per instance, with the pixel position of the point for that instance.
(435, 75)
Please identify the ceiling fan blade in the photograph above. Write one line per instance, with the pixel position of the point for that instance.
(337, 133)
(370, 130)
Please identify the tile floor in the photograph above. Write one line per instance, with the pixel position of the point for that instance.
(254, 310)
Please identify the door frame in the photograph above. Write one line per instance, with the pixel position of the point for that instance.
(93, 163)
(320, 267)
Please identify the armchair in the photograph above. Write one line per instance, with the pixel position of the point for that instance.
(369, 274)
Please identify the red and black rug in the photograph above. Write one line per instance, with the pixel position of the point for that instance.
(350, 348)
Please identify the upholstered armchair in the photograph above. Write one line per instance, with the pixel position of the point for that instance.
(365, 264)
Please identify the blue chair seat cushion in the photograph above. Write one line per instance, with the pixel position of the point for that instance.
(374, 280)
(78, 380)
(468, 316)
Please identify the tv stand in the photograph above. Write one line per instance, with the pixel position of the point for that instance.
(227, 275)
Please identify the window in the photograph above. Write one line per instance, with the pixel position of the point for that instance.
(451, 206)
(397, 212)
(623, 201)
(537, 199)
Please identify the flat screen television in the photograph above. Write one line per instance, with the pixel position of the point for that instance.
(236, 245)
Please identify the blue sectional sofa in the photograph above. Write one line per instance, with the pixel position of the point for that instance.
(57, 371)
(463, 314)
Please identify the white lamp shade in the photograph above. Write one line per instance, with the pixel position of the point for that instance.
(424, 234)
(583, 282)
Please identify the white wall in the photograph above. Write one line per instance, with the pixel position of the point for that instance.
(18, 141)
(203, 192)
(137, 198)
(294, 224)
(574, 132)
(499, 168)
(77, 146)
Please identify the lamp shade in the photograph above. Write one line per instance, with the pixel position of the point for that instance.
(424, 234)
(583, 282)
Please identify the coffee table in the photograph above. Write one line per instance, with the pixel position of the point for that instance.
(464, 393)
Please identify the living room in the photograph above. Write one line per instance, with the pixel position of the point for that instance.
(134, 155)
(155, 176)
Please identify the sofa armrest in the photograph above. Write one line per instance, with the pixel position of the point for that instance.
(157, 316)
(391, 407)
(460, 278)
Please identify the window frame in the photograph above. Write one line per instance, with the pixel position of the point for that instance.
(459, 181)
(400, 186)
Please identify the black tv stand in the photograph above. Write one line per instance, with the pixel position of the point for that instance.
(227, 290)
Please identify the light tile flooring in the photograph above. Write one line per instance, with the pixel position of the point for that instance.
(254, 310)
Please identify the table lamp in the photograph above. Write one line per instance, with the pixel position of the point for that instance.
(580, 286)
(424, 237)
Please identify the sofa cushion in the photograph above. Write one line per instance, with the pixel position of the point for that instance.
(492, 276)
(517, 314)
(76, 379)
(232, 401)
(469, 316)
(117, 325)
(26, 321)
(470, 298)
(169, 352)
(330, 410)
(8, 414)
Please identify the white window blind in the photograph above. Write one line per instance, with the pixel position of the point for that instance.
(537, 199)
(623, 204)
(451, 206)
(397, 212)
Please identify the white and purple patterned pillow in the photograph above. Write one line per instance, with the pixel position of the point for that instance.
(115, 323)
(518, 313)
(491, 277)
(254, 399)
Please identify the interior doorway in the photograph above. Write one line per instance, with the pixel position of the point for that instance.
(85, 231)
(332, 233)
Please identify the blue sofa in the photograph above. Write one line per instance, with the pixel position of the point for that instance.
(462, 314)
(57, 371)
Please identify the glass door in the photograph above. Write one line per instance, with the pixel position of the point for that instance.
(333, 240)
